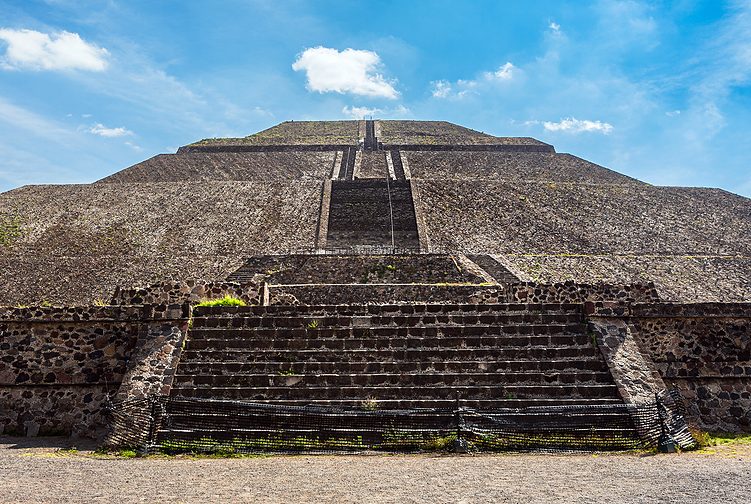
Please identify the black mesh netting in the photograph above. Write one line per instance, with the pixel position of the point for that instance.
(178, 425)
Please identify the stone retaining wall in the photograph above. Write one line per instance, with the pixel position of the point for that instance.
(571, 292)
(527, 292)
(191, 291)
(60, 366)
(704, 350)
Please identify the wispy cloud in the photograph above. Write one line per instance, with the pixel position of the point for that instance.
(34, 124)
(33, 50)
(350, 71)
(360, 112)
(104, 131)
(398, 112)
(573, 125)
(442, 89)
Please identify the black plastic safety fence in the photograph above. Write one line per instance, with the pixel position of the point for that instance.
(179, 425)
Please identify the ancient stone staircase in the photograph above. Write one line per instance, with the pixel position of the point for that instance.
(367, 212)
(395, 356)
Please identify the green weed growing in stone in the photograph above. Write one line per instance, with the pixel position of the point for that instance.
(707, 439)
(225, 301)
(313, 324)
(369, 404)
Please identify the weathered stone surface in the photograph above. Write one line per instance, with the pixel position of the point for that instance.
(216, 166)
(518, 166)
(349, 269)
(442, 133)
(297, 133)
(81, 242)
(59, 367)
(703, 350)
(189, 291)
(637, 379)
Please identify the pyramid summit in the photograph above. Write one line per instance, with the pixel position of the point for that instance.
(307, 186)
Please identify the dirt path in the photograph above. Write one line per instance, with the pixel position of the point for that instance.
(36, 471)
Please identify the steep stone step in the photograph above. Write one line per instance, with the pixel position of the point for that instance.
(394, 342)
(386, 309)
(185, 414)
(389, 331)
(221, 367)
(515, 334)
(398, 392)
(392, 379)
(410, 403)
(391, 354)
(371, 212)
(396, 159)
(313, 322)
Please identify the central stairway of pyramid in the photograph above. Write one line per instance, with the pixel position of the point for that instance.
(372, 212)
(395, 356)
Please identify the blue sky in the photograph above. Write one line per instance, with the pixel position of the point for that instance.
(658, 90)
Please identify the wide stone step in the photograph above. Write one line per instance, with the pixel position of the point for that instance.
(397, 392)
(342, 321)
(393, 343)
(392, 379)
(185, 414)
(410, 403)
(276, 367)
(384, 331)
(390, 354)
(385, 309)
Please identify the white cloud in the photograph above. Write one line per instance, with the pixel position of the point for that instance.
(555, 27)
(349, 71)
(400, 111)
(360, 112)
(505, 72)
(33, 50)
(39, 126)
(441, 89)
(103, 131)
(464, 87)
(573, 125)
(673, 113)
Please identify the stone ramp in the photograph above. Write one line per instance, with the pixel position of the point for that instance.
(493, 268)
(395, 356)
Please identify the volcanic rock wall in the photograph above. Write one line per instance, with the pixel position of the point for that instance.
(703, 350)
(61, 366)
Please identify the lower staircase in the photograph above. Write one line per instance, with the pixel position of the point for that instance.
(392, 377)
(397, 356)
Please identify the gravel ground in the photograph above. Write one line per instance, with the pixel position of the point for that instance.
(37, 470)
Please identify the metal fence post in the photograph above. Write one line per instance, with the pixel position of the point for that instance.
(665, 443)
(460, 444)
